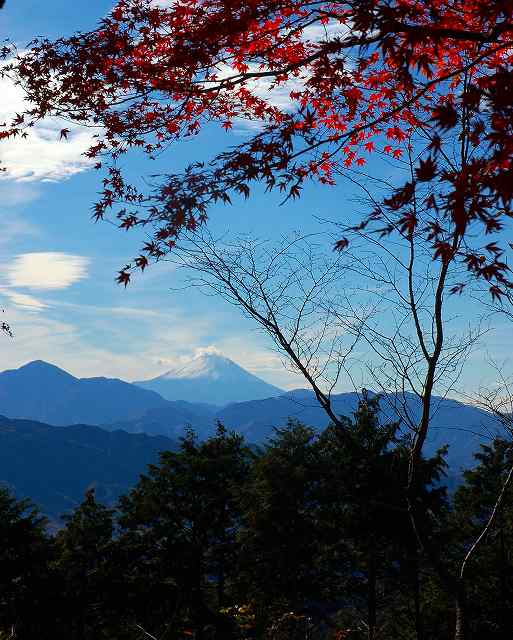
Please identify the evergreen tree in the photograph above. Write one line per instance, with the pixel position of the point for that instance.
(364, 515)
(84, 551)
(490, 575)
(280, 537)
(24, 555)
(180, 530)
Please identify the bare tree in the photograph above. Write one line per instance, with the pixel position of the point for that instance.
(498, 401)
(291, 291)
(383, 292)
(381, 308)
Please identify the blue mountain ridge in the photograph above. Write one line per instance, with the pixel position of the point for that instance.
(463, 427)
(42, 392)
(54, 466)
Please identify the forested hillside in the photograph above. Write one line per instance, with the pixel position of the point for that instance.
(365, 151)
(307, 537)
(54, 466)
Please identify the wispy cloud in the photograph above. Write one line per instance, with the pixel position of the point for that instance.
(46, 270)
(14, 194)
(42, 156)
(93, 340)
(23, 300)
(12, 228)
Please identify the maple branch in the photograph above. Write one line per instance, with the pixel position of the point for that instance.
(328, 48)
(425, 31)
(402, 106)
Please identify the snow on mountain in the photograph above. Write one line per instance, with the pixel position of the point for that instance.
(212, 378)
(245, 403)
(211, 365)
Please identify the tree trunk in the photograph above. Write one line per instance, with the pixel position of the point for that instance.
(503, 616)
(419, 631)
(461, 625)
(371, 596)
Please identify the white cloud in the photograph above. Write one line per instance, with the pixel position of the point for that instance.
(23, 301)
(321, 33)
(211, 350)
(46, 270)
(277, 96)
(181, 359)
(42, 156)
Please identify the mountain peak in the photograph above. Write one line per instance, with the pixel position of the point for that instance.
(42, 391)
(210, 377)
(40, 367)
(205, 364)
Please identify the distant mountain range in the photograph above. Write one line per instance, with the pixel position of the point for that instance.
(171, 420)
(54, 466)
(463, 427)
(210, 378)
(40, 391)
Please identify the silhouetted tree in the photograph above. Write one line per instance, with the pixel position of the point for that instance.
(490, 574)
(364, 515)
(84, 548)
(280, 538)
(180, 523)
(24, 554)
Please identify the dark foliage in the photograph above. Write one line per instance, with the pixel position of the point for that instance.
(308, 537)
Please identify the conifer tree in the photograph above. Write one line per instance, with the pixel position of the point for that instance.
(364, 515)
(24, 553)
(84, 548)
(490, 578)
(180, 524)
(280, 537)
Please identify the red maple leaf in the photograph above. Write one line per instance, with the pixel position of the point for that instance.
(425, 70)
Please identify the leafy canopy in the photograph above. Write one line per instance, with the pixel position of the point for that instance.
(423, 84)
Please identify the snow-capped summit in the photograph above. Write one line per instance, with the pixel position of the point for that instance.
(212, 378)
(211, 365)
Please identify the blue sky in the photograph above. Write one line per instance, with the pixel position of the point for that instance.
(82, 320)
(58, 269)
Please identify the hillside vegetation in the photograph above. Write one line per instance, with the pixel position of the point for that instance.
(308, 537)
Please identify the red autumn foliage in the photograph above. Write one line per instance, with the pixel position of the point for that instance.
(428, 82)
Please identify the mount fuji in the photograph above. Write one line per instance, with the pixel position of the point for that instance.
(213, 379)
